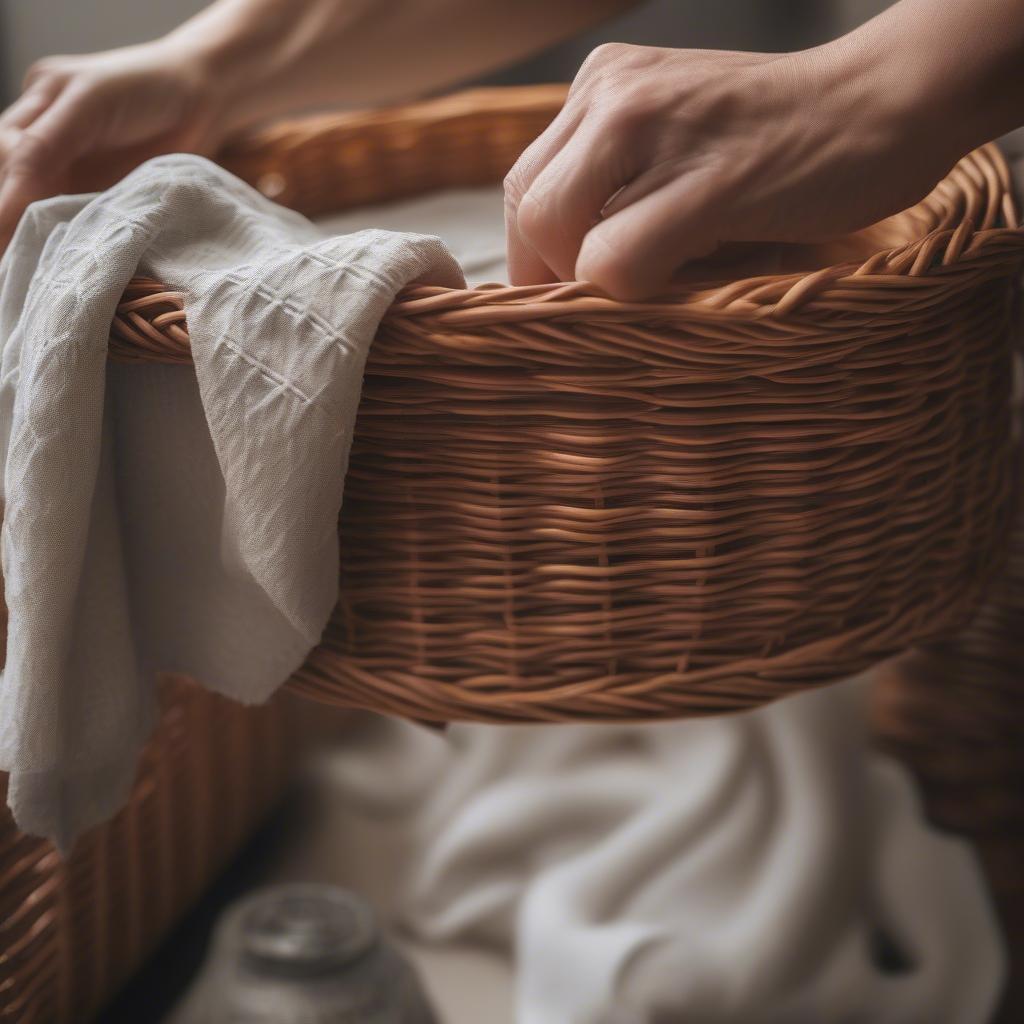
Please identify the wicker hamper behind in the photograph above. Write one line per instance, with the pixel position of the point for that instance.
(953, 712)
(72, 931)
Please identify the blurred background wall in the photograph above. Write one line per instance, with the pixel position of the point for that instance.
(30, 29)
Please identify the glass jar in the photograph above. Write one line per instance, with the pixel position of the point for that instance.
(303, 954)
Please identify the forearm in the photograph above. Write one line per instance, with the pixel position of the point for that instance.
(267, 58)
(950, 71)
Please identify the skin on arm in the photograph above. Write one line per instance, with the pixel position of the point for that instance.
(661, 156)
(82, 122)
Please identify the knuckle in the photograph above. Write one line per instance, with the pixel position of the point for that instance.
(52, 68)
(32, 153)
(514, 186)
(605, 66)
(38, 69)
(626, 117)
(604, 54)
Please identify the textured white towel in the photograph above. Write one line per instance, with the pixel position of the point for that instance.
(764, 868)
(158, 518)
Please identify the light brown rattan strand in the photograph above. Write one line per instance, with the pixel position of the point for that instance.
(562, 507)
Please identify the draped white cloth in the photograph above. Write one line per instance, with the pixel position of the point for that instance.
(766, 868)
(156, 518)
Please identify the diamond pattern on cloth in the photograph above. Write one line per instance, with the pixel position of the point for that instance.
(158, 518)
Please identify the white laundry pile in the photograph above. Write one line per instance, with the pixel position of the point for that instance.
(765, 868)
(156, 518)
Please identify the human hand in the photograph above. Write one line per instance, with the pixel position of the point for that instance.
(85, 121)
(660, 156)
(82, 122)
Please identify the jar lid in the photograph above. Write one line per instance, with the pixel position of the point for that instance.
(307, 929)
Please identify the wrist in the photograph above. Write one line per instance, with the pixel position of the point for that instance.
(941, 79)
(888, 112)
(231, 51)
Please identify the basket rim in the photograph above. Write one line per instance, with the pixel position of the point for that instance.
(980, 181)
(880, 384)
(974, 231)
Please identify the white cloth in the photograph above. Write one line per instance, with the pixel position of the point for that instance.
(742, 870)
(158, 518)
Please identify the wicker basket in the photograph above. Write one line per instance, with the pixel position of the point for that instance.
(72, 931)
(563, 507)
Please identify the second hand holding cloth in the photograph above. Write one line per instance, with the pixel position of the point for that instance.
(160, 520)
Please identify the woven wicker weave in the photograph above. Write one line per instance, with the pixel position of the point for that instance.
(954, 713)
(72, 931)
(564, 507)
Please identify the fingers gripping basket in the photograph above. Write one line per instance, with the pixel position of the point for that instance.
(564, 507)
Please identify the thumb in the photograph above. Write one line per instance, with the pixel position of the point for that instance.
(634, 253)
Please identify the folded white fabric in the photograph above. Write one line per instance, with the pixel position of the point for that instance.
(765, 868)
(158, 519)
